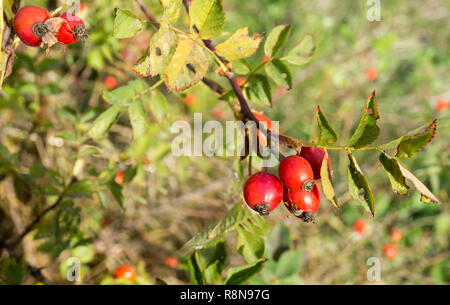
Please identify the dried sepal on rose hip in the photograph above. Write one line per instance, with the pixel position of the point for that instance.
(30, 25)
(303, 204)
(71, 30)
(263, 192)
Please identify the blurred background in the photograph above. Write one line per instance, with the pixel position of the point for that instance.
(167, 200)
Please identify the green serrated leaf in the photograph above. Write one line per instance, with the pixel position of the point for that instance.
(126, 25)
(241, 274)
(187, 66)
(104, 122)
(288, 264)
(259, 91)
(241, 67)
(195, 273)
(125, 95)
(427, 195)
(207, 18)
(327, 184)
(276, 39)
(138, 118)
(249, 245)
(367, 130)
(239, 45)
(159, 105)
(216, 231)
(302, 53)
(392, 169)
(142, 67)
(211, 261)
(359, 186)
(116, 191)
(279, 72)
(326, 133)
(162, 48)
(171, 10)
(410, 145)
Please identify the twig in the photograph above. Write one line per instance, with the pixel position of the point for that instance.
(38, 218)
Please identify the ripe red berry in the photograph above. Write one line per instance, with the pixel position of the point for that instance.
(296, 173)
(371, 74)
(189, 100)
(119, 178)
(263, 192)
(29, 24)
(442, 105)
(390, 251)
(110, 82)
(360, 226)
(395, 234)
(72, 30)
(171, 262)
(240, 80)
(303, 204)
(125, 272)
(314, 155)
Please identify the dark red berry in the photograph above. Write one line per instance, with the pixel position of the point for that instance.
(72, 30)
(301, 203)
(29, 24)
(295, 173)
(263, 192)
(314, 155)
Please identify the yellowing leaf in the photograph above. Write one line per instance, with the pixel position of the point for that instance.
(302, 52)
(327, 185)
(187, 66)
(277, 39)
(207, 18)
(392, 169)
(427, 195)
(126, 25)
(171, 9)
(359, 186)
(162, 47)
(239, 45)
(410, 145)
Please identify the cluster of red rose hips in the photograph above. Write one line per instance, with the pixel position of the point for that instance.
(36, 27)
(263, 192)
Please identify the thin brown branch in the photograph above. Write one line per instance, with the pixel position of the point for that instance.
(148, 14)
(38, 218)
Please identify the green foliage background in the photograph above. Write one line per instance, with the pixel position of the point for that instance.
(49, 102)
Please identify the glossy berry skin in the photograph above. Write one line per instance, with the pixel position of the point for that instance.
(263, 192)
(390, 251)
(72, 30)
(125, 272)
(314, 155)
(25, 23)
(294, 171)
(308, 202)
(359, 226)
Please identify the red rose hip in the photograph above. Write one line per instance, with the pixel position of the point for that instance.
(314, 155)
(125, 272)
(29, 24)
(72, 30)
(296, 173)
(263, 192)
(303, 204)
